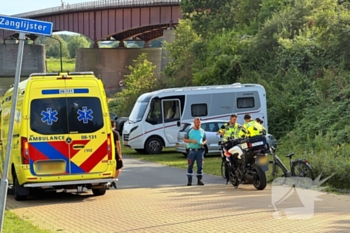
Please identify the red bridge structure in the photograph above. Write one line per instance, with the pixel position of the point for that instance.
(119, 20)
(101, 20)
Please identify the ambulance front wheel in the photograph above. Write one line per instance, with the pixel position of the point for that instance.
(99, 192)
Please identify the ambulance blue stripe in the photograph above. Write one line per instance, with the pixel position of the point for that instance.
(57, 91)
(32, 167)
(50, 92)
(81, 91)
(52, 153)
(76, 169)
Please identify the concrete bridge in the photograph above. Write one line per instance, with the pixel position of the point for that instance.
(118, 20)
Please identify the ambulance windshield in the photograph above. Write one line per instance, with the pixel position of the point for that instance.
(66, 115)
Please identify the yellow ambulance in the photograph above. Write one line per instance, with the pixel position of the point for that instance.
(62, 135)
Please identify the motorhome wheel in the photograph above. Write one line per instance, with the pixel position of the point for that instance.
(154, 145)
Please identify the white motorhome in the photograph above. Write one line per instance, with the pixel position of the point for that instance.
(157, 116)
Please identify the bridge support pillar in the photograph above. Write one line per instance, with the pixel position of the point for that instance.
(33, 59)
(147, 44)
(110, 64)
(95, 45)
(121, 44)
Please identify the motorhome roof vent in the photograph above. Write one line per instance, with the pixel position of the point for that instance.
(249, 85)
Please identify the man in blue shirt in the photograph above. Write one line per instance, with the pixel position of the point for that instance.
(196, 139)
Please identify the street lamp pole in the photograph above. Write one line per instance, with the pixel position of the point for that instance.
(60, 50)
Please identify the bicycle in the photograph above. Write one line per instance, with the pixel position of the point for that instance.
(298, 168)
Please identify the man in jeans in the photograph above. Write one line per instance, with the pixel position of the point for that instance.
(196, 139)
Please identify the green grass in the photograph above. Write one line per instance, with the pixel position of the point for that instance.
(14, 224)
(54, 64)
(169, 157)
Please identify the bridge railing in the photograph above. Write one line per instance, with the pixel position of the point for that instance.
(95, 5)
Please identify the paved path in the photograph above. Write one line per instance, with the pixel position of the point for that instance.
(154, 198)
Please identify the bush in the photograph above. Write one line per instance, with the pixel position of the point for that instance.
(325, 157)
(140, 80)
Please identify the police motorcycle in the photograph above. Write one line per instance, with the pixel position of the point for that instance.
(246, 160)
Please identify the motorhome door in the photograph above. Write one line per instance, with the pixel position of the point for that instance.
(171, 111)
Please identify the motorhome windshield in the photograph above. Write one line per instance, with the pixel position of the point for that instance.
(138, 111)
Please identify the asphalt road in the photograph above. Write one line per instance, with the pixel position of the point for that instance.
(140, 174)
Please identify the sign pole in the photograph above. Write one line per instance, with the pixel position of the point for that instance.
(4, 180)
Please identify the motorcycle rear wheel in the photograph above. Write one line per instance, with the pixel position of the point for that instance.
(260, 179)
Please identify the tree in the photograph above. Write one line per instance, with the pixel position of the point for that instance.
(140, 80)
(208, 16)
(77, 42)
(179, 70)
(52, 46)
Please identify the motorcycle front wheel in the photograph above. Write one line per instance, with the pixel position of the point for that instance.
(233, 178)
(259, 178)
(222, 168)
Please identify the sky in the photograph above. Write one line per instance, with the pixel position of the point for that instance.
(11, 7)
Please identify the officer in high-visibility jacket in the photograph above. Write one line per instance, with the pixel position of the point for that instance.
(252, 127)
(260, 126)
(230, 129)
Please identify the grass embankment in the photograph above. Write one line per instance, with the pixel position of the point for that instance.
(14, 224)
(54, 64)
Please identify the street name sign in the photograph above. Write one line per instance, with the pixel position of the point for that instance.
(26, 25)
(22, 26)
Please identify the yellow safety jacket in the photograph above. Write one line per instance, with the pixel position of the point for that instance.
(261, 128)
(230, 131)
(252, 128)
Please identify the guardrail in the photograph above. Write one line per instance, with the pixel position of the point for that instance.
(95, 5)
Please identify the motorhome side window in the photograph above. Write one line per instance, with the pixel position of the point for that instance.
(198, 110)
(245, 102)
(155, 113)
(171, 110)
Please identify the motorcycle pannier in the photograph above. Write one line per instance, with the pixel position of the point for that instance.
(257, 142)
